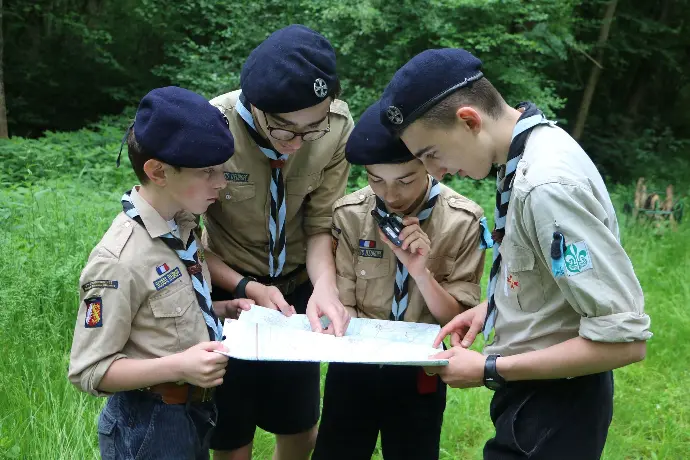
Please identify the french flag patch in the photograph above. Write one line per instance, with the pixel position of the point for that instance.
(367, 243)
(162, 269)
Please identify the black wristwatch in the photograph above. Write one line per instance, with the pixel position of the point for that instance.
(240, 292)
(492, 379)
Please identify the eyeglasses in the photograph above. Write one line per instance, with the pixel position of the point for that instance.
(307, 136)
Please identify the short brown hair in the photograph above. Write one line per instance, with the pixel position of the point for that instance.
(480, 94)
(138, 157)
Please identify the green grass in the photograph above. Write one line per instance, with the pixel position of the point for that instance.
(47, 231)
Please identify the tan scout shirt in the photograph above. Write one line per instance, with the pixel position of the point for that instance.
(365, 276)
(127, 309)
(558, 188)
(236, 228)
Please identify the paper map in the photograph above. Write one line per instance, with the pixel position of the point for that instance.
(267, 335)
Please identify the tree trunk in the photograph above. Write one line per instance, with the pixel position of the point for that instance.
(3, 109)
(642, 78)
(595, 72)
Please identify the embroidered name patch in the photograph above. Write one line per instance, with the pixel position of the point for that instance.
(236, 177)
(367, 243)
(168, 278)
(162, 269)
(99, 284)
(376, 253)
(577, 258)
(94, 312)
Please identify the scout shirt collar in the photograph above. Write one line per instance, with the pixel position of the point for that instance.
(154, 222)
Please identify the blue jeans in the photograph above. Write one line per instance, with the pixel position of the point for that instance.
(137, 425)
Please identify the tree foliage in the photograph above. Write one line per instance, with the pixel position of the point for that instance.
(69, 62)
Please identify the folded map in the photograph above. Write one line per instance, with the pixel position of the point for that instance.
(262, 334)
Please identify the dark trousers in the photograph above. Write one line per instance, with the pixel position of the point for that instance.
(564, 419)
(138, 425)
(278, 397)
(361, 400)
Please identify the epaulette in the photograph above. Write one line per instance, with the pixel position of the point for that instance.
(457, 201)
(354, 198)
(341, 108)
(118, 234)
(226, 102)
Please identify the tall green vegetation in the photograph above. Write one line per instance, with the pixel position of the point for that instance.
(67, 63)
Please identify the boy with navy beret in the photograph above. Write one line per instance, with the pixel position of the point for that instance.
(430, 278)
(563, 298)
(268, 237)
(146, 329)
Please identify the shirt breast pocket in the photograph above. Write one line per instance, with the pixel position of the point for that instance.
(237, 202)
(237, 193)
(297, 188)
(374, 285)
(521, 279)
(172, 318)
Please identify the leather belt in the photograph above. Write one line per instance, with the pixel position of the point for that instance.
(173, 393)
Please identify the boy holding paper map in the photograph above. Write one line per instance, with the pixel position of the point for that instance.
(419, 281)
(146, 329)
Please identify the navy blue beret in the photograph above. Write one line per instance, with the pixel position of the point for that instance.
(182, 129)
(425, 80)
(293, 69)
(371, 143)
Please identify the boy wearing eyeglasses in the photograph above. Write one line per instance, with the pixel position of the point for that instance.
(268, 237)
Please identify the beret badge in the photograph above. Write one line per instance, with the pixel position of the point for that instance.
(394, 115)
(320, 88)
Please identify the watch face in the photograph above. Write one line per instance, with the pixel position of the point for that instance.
(492, 384)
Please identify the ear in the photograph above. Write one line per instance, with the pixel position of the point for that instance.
(156, 172)
(470, 118)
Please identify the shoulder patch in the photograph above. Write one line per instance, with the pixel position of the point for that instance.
(341, 108)
(577, 258)
(94, 312)
(118, 234)
(354, 198)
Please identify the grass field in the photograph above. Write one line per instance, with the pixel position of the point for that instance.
(47, 231)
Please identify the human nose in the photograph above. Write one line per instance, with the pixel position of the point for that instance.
(295, 142)
(220, 181)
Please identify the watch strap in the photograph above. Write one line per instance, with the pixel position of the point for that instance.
(240, 290)
(492, 379)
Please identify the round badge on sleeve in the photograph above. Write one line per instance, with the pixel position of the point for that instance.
(394, 115)
(320, 88)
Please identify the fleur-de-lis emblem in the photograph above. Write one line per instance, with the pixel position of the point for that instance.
(577, 259)
(394, 115)
(320, 88)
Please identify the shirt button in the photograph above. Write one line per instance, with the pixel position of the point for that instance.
(178, 309)
(363, 272)
(127, 224)
(361, 196)
(228, 196)
(310, 188)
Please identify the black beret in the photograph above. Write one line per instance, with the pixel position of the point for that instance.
(425, 80)
(293, 69)
(182, 129)
(371, 143)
